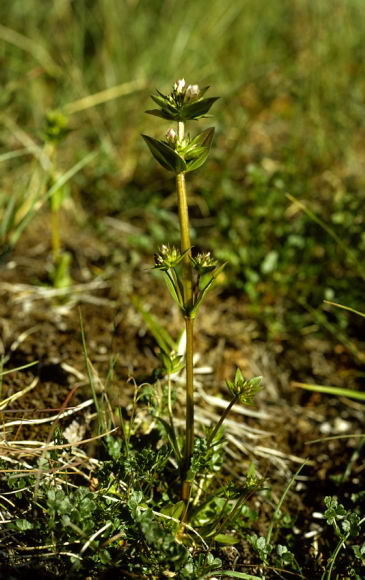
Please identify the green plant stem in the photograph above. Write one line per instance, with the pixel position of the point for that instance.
(50, 150)
(189, 327)
(56, 238)
(327, 574)
(189, 442)
(171, 418)
(185, 238)
(184, 228)
(274, 519)
(224, 415)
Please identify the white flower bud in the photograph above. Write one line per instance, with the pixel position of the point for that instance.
(192, 92)
(179, 86)
(171, 136)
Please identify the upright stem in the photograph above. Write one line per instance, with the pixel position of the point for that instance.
(223, 416)
(189, 325)
(56, 238)
(189, 441)
(55, 221)
(185, 237)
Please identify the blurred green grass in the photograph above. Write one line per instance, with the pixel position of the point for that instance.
(291, 119)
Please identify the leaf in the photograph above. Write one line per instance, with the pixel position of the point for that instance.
(161, 114)
(165, 155)
(174, 510)
(171, 435)
(161, 101)
(205, 141)
(161, 335)
(161, 94)
(197, 109)
(345, 308)
(202, 294)
(226, 539)
(338, 391)
(8, 218)
(174, 290)
(242, 575)
(23, 524)
(204, 138)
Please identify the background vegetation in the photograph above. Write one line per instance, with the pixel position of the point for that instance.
(291, 120)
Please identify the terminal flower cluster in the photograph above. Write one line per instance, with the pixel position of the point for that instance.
(184, 103)
(203, 263)
(167, 258)
(244, 390)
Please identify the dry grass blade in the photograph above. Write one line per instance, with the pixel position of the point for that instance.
(104, 96)
(18, 395)
(42, 448)
(60, 415)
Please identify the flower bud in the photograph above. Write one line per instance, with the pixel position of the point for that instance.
(192, 92)
(204, 263)
(244, 389)
(179, 86)
(171, 137)
(167, 257)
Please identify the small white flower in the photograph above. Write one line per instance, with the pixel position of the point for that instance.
(179, 86)
(192, 92)
(171, 136)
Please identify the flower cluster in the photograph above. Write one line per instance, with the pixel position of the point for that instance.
(244, 389)
(183, 93)
(167, 258)
(56, 127)
(203, 263)
(184, 103)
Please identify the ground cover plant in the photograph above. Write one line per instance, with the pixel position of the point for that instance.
(109, 467)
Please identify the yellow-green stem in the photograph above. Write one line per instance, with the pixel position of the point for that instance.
(56, 238)
(189, 441)
(223, 416)
(185, 238)
(50, 151)
(189, 326)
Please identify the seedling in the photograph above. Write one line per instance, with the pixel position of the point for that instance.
(55, 131)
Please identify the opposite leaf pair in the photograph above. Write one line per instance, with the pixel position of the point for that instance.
(184, 103)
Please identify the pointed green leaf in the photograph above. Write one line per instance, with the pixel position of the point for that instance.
(241, 575)
(226, 539)
(161, 94)
(197, 109)
(338, 391)
(165, 155)
(203, 91)
(160, 101)
(204, 138)
(171, 435)
(9, 217)
(174, 291)
(205, 141)
(174, 510)
(203, 292)
(161, 335)
(196, 163)
(161, 114)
